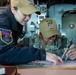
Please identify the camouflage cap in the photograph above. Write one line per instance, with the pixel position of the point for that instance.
(48, 28)
(25, 6)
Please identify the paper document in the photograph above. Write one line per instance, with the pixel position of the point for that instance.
(46, 63)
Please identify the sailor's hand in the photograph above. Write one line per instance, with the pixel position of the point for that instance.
(19, 40)
(53, 58)
(72, 52)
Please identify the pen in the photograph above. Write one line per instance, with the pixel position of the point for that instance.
(66, 57)
(67, 48)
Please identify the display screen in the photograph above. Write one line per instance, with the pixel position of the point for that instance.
(41, 17)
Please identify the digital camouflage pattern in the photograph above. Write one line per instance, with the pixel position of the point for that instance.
(35, 41)
(56, 48)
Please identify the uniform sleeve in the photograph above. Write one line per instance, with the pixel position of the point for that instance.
(23, 55)
(42, 55)
(4, 22)
(34, 53)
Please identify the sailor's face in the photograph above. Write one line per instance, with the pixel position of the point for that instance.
(50, 40)
(22, 18)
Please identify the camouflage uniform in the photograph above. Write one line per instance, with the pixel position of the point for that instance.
(36, 42)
